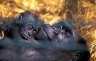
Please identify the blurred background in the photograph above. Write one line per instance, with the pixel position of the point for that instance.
(82, 14)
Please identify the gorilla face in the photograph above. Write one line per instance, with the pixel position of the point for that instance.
(27, 31)
(28, 22)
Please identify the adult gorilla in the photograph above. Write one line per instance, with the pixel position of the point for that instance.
(63, 42)
(27, 38)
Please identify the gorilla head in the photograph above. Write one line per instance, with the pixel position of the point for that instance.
(28, 22)
(25, 24)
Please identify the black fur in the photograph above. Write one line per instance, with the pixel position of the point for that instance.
(27, 38)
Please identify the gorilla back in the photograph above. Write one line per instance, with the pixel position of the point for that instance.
(27, 38)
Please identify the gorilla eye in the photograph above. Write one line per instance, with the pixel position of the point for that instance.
(29, 26)
(65, 30)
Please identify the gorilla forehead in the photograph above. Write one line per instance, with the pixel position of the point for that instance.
(25, 18)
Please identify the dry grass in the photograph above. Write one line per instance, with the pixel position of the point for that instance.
(88, 31)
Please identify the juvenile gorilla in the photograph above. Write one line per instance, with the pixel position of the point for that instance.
(27, 38)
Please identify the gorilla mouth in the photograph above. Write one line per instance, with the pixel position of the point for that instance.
(24, 36)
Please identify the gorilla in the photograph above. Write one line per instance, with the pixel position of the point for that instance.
(62, 37)
(28, 38)
(18, 34)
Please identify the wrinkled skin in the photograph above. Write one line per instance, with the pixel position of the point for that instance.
(27, 38)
